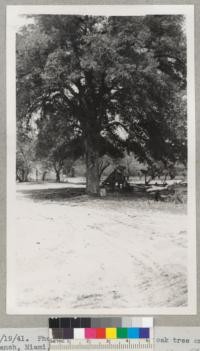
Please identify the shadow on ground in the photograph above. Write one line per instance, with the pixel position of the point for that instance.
(79, 194)
(52, 194)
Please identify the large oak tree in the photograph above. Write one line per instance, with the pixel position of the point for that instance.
(119, 82)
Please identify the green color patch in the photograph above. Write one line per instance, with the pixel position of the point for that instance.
(122, 333)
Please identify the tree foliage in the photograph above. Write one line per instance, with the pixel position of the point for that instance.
(112, 84)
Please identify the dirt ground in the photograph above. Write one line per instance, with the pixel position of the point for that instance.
(118, 252)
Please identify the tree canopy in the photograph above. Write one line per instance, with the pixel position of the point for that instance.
(102, 85)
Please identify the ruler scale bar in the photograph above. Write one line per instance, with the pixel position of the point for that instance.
(106, 346)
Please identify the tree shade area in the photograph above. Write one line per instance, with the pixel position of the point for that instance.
(100, 87)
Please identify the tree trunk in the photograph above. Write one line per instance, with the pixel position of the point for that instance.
(92, 170)
(26, 174)
(44, 175)
(58, 176)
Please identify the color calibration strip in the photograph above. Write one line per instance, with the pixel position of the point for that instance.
(100, 333)
(118, 333)
(100, 322)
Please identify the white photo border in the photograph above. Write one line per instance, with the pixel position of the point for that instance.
(13, 11)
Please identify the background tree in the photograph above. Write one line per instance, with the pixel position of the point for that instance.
(23, 162)
(119, 81)
(25, 151)
(68, 168)
(58, 143)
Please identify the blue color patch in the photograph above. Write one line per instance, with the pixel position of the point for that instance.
(144, 333)
(133, 333)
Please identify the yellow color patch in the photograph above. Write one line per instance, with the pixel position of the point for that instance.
(111, 333)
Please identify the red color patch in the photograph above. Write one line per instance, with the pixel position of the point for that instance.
(100, 333)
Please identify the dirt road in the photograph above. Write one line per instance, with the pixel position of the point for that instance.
(94, 253)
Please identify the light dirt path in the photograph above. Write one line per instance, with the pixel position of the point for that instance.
(99, 254)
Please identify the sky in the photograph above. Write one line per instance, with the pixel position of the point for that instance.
(20, 21)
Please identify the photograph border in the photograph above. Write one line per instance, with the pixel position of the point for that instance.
(118, 10)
